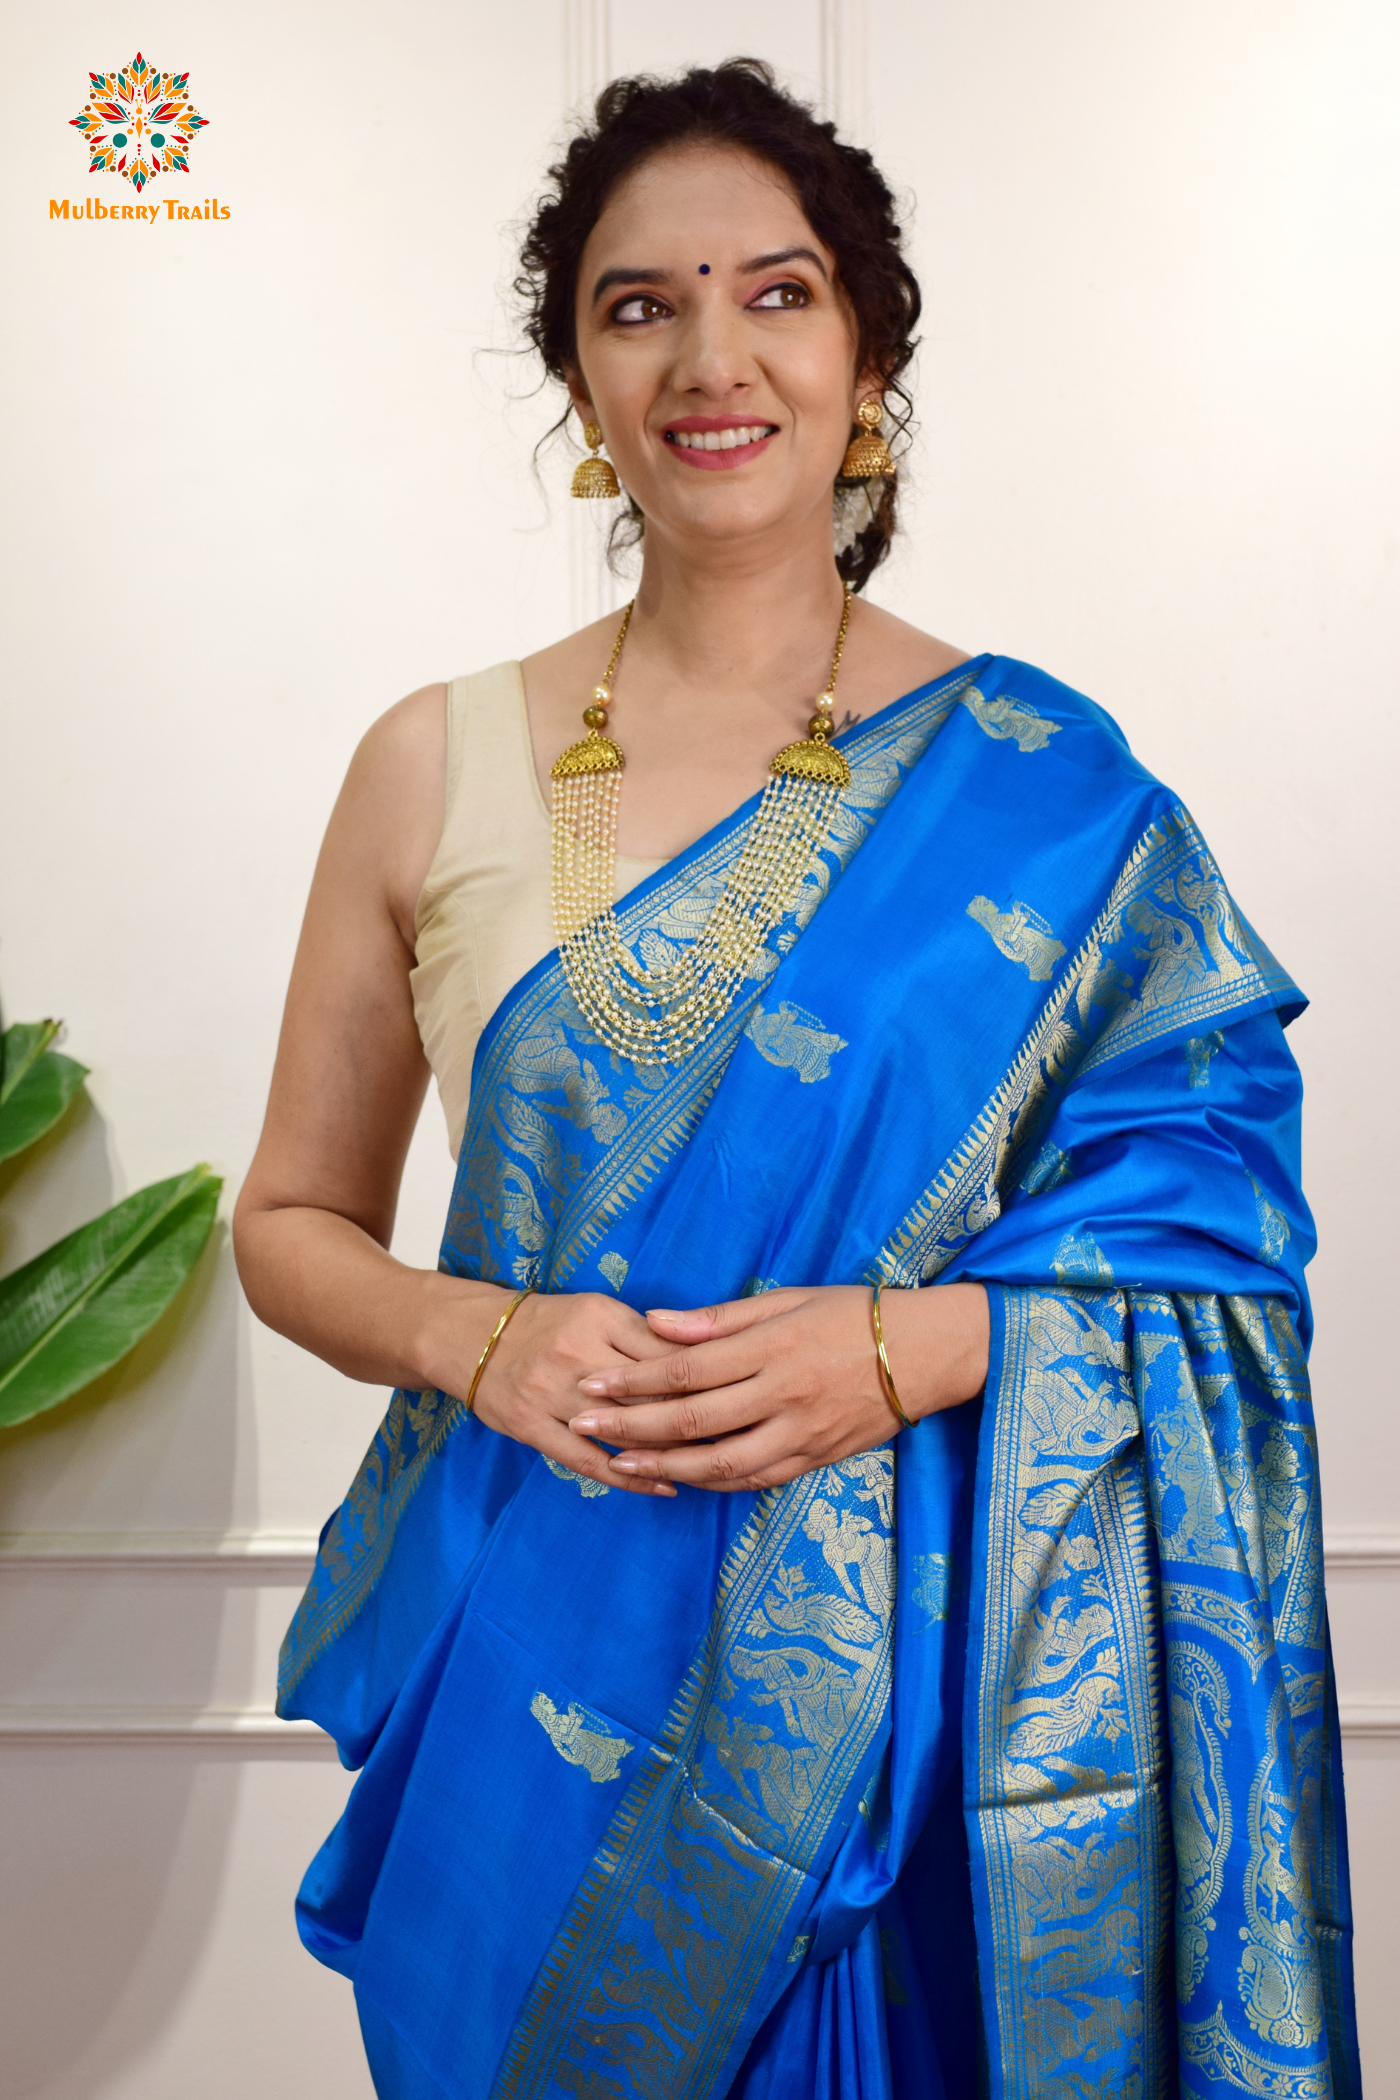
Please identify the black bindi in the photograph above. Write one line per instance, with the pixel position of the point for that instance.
(704, 269)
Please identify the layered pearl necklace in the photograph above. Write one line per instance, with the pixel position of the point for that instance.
(658, 1016)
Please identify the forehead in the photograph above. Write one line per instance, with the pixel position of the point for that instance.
(716, 198)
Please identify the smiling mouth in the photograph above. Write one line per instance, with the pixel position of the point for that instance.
(731, 440)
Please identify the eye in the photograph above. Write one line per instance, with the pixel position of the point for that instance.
(641, 307)
(782, 297)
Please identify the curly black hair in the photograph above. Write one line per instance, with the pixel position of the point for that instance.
(846, 199)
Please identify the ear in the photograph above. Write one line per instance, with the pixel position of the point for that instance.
(578, 394)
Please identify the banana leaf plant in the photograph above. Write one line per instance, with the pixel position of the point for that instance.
(78, 1307)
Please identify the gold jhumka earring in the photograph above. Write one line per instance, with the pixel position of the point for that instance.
(867, 455)
(594, 476)
(658, 1016)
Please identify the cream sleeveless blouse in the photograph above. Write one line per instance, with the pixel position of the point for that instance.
(483, 917)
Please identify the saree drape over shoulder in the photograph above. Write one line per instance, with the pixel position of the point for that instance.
(1006, 1752)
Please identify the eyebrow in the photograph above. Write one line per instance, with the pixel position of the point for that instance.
(610, 278)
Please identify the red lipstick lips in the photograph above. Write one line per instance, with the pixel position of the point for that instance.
(714, 443)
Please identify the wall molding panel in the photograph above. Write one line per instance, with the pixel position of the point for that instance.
(263, 1556)
(1363, 1549)
(274, 1555)
(252, 1729)
(845, 69)
(257, 1728)
(283, 1559)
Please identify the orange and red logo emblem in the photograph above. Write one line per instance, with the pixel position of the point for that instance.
(138, 123)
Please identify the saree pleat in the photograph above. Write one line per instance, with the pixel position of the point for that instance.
(1002, 1757)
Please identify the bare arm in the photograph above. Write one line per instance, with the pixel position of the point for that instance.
(314, 1220)
(316, 1212)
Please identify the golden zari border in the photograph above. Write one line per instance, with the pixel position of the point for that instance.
(356, 1545)
(1145, 1445)
(1200, 963)
(710, 1860)
(1066, 1792)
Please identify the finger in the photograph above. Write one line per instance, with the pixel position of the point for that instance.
(643, 1347)
(585, 1458)
(704, 1367)
(706, 1322)
(628, 1333)
(665, 1422)
(754, 1457)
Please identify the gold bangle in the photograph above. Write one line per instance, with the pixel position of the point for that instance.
(883, 1362)
(495, 1335)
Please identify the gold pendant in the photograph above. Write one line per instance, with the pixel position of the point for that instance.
(591, 754)
(813, 759)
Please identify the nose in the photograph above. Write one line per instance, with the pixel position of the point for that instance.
(714, 357)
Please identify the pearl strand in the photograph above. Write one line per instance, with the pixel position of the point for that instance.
(657, 1015)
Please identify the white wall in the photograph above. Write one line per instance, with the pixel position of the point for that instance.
(264, 475)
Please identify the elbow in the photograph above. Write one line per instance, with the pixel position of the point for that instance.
(251, 1217)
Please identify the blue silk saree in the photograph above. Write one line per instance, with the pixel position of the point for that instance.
(1003, 1757)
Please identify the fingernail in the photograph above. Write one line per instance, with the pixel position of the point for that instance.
(598, 1386)
(624, 1465)
(657, 1312)
(584, 1425)
(660, 1489)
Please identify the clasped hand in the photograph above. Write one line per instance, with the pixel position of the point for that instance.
(745, 1395)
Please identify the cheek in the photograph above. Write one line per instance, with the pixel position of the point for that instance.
(820, 376)
(621, 380)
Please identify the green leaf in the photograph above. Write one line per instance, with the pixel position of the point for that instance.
(76, 1309)
(36, 1084)
(19, 1046)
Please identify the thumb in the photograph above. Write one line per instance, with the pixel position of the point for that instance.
(708, 1323)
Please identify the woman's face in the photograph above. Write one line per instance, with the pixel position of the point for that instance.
(715, 348)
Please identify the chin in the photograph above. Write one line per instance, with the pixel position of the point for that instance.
(729, 513)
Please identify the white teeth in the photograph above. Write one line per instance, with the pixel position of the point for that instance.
(721, 440)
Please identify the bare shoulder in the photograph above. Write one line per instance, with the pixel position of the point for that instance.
(574, 656)
(887, 657)
(558, 682)
(388, 818)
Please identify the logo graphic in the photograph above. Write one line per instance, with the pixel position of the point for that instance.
(138, 122)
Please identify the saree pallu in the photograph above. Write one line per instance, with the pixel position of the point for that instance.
(1006, 1753)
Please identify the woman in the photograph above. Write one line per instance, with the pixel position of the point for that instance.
(724, 1794)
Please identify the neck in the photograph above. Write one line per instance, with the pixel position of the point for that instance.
(738, 618)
